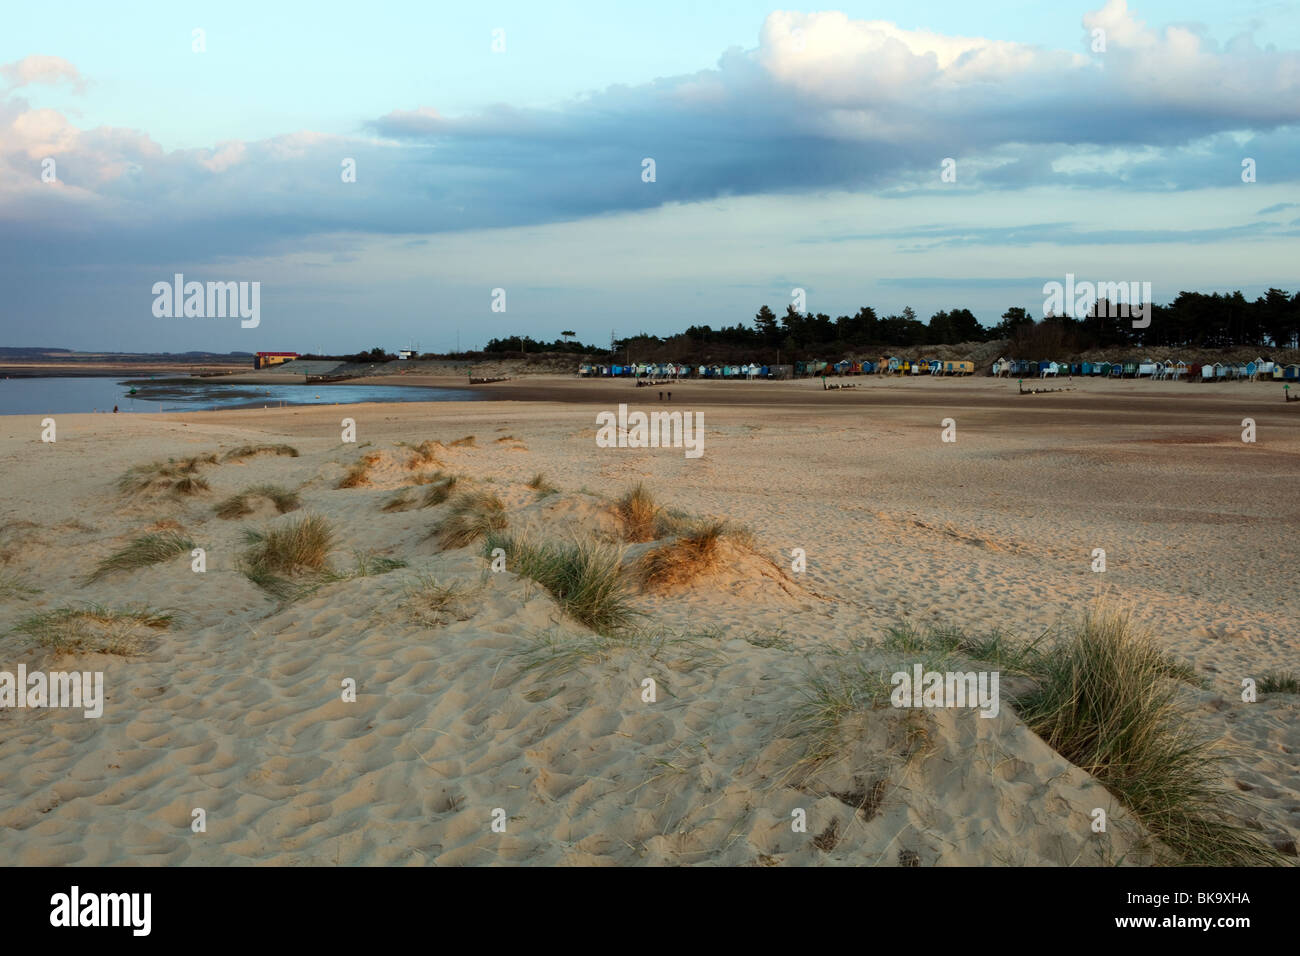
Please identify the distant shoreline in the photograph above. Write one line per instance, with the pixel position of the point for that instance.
(111, 370)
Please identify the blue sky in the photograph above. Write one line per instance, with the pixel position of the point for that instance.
(793, 148)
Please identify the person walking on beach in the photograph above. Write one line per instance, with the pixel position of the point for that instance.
(114, 409)
(661, 396)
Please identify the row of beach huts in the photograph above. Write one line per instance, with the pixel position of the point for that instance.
(887, 365)
(1159, 370)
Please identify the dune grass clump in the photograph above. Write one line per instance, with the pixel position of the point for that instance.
(94, 629)
(179, 477)
(439, 490)
(1280, 682)
(141, 552)
(237, 506)
(540, 485)
(692, 554)
(358, 472)
(1106, 698)
(586, 578)
(252, 451)
(14, 587)
(644, 519)
(467, 442)
(369, 563)
(681, 561)
(473, 515)
(293, 549)
(432, 603)
(639, 513)
(423, 454)
(402, 501)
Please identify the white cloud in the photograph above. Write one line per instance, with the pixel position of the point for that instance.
(41, 69)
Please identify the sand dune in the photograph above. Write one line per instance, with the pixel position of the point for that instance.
(493, 698)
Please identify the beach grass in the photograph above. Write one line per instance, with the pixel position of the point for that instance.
(358, 472)
(1107, 699)
(852, 679)
(251, 451)
(94, 629)
(1280, 682)
(295, 548)
(141, 552)
(371, 563)
(690, 555)
(402, 501)
(434, 603)
(585, 577)
(14, 587)
(439, 490)
(540, 485)
(639, 512)
(180, 477)
(423, 454)
(473, 515)
(237, 506)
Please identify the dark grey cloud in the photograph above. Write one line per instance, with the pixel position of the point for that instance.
(823, 103)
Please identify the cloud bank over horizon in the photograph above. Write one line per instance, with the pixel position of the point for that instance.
(824, 105)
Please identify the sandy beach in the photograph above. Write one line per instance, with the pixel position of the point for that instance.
(238, 707)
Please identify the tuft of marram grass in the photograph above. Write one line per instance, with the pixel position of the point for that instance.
(585, 577)
(400, 501)
(439, 490)
(358, 472)
(1280, 682)
(141, 552)
(293, 548)
(467, 442)
(251, 451)
(93, 629)
(473, 515)
(14, 587)
(178, 477)
(540, 485)
(692, 554)
(237, 506)
(425, 453)
(639, 513)
(854, 679)
(1107, 699)
(369, 563)
(680, 562)
(432, 603)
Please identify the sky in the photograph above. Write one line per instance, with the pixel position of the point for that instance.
(931, 154)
